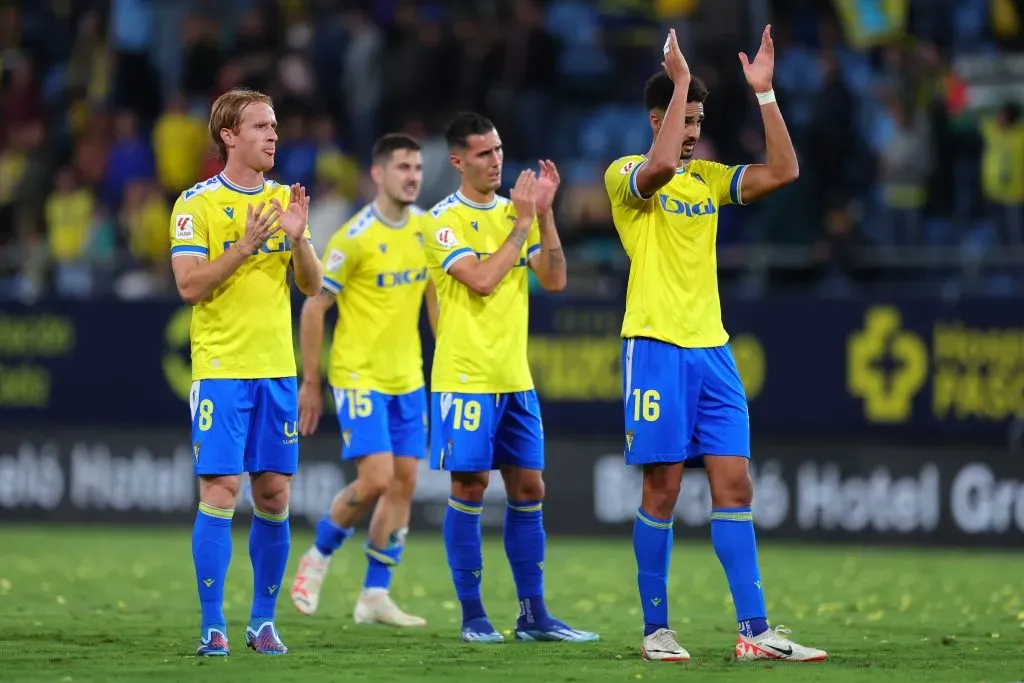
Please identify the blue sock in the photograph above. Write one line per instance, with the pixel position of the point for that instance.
(269, 543)
(524, 546)
(732, 535)
(381, 562)
(465, 556)
(652, 545)
(329, 536)
(211, 554)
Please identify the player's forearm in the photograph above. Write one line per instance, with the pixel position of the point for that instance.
(198, 282)
(433, 307)
(664, 158)
(488, 273)
(309, 275)
(552, 270)
(311, 339)
(781, 156)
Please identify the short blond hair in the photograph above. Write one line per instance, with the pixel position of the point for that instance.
(227, 113)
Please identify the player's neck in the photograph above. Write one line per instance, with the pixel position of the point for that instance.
(391, 211)
(482, 198)
(240, 175)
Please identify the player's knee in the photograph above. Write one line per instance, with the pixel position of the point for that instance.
(220, 492)
(271, 492)
(469, 486)
(734, 490)
(376, 473)
(661, 491)
(528, 488)
(406, 477)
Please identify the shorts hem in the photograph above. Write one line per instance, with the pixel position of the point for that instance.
(658, 458)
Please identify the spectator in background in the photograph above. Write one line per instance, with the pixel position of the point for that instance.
(22, 98)
(905, 163)
(143, 224)
(69, 214)
(1002, 172)
(362, 78)
(295, 157)
(131, 158)
(333, 166)
(178, 141)
(90, 63)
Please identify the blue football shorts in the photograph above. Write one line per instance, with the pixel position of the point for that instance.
(682, 404)
(482, 432)
(372, 422)
(245, 425)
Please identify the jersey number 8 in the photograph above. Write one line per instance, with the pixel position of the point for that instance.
(205, 414)
(648, 402)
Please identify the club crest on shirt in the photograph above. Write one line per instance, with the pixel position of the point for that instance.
(446, 238)
(335, 259)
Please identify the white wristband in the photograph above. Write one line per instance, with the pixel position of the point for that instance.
(764, 98)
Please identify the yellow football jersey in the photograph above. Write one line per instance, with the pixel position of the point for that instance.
(670, 238)
(244, 329)
(481, 340)
(378, 271)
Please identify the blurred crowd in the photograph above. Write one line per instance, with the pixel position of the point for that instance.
(906, 115)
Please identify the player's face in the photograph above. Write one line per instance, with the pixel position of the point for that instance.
(401, 177)
(480, 163)
(256, 139)
(691, 135)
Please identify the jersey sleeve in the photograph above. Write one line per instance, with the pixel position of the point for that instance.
(190, 235)
(726, 182)
(533, 240)
(445, 241)
(341, 257)
(620, 183)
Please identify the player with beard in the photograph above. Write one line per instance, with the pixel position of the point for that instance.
(683, 398)
(376, 271)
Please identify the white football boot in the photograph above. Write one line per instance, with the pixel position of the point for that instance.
(375, 606)
(308, 579)
(661, 646)
(774, 645)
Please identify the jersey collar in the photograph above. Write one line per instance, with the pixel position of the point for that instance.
(383, 220)
(238, 188)
(475, 205)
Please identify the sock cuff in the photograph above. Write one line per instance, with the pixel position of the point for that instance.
(743, 514)
(388, 556)
(273, 518)
(653, 521)
(525, 505)
(219, 513)
(469, 507)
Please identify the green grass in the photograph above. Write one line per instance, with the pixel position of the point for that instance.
(86, 604)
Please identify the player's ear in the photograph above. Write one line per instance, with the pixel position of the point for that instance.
(655, 119)
(455, 160)
(377, 174)
(228, 136)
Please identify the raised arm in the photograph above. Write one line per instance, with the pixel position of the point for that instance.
(294, 219)
(482, 277)
(781, 167)
(661, 164)
(548, 263)
(195, 276)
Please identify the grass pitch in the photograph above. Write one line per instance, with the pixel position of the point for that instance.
(90, 604)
